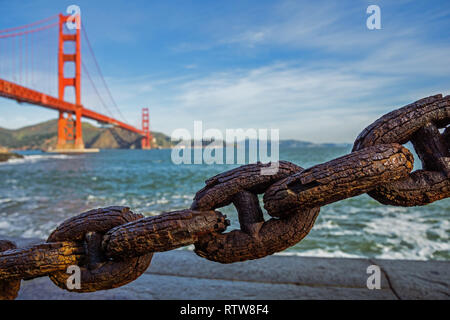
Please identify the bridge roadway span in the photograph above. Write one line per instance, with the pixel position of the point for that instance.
(22, 94)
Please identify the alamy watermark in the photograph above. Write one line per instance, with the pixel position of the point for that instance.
(374, 20)
(374, 280)
(74, 20)
(74, 280)
(236, 146)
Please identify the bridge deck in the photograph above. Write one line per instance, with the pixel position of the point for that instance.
(22, 94)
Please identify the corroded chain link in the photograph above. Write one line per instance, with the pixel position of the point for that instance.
(419, 123)
(113, 246)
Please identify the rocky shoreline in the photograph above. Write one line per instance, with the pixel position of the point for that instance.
(5, 155)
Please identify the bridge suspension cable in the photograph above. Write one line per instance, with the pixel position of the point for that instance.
(26, 57)
(105, 106)
(27, 26)
(99, 71)
(21, 33)
(33, 70)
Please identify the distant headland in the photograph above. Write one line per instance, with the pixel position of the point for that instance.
(43, 136)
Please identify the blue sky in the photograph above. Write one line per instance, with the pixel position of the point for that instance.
(309, 68)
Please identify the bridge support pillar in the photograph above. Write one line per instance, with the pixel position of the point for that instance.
(146, 139)
(70, 134)
(145, 143)
(79, 144)
(61, 131)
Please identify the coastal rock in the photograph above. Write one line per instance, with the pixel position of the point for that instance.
(5, 155)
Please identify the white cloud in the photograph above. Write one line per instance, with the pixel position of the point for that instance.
(304, 103)
(332, 101)
(190, 66)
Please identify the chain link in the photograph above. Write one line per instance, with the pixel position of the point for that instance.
(97, 271)
(419, 123)
(113, 246)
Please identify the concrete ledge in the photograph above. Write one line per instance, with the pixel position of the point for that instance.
(181, 274)
(417, 279)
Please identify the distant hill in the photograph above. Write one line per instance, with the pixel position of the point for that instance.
(44, 136)
(305, 144)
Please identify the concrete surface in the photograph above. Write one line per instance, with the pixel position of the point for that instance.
(181, 274)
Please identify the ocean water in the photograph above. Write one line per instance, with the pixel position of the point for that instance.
(39, 192)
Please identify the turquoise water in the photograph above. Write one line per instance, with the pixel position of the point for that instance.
(42, 190)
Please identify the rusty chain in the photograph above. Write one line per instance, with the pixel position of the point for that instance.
(113, 246)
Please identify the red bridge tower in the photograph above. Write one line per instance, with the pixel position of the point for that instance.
(67, 138)
(147, 138)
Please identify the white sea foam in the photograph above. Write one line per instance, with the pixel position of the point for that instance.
(319, 253)
(407, 232)
(6, 200)
(23, 199)
(33, 233)
(325, 224)
(307, 253)
(182, 196)
(94, 198)
(4, 225)
(37, 157)
(162, 201)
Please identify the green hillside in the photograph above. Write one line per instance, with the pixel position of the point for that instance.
(44, 136)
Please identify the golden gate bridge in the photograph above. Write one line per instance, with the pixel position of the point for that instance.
(34, 62)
